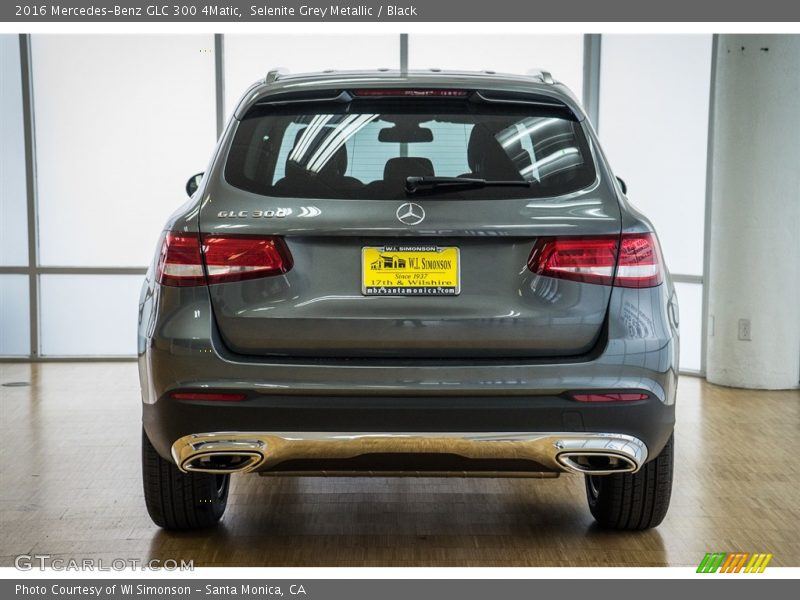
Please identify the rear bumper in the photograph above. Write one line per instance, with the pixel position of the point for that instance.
(328, 433)
(179, 350)
(227, 452)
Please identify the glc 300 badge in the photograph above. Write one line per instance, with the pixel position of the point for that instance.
(271, 213)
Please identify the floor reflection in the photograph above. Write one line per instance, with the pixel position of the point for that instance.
(73, 490)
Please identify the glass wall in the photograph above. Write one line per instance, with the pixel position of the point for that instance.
(653, 124)
(14, 288)
(121, 122)
(249, 58)
(15, 320)
(13, 206)
(562, 55)
(89, 315)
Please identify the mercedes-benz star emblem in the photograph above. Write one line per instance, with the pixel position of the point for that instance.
(410, 214)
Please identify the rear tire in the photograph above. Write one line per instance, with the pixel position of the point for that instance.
(177, 500)
(633, 501)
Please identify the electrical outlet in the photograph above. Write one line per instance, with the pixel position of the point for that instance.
(744, 330)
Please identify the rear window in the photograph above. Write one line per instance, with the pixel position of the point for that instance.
(367, 149)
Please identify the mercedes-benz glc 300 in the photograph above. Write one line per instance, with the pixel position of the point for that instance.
(408, 273)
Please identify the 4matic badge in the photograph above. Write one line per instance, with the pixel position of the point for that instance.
(271, 213)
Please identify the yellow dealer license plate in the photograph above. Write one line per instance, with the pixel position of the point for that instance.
(410, 270)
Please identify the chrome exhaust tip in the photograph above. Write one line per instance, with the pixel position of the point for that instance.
(596, 463)
(222, 462)
(218, 454)
(599, 455)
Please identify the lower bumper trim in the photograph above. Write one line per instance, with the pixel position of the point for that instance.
(243, 452)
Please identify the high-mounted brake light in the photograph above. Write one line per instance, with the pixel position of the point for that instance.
(632, 260)
(416, 93)
(184, 261)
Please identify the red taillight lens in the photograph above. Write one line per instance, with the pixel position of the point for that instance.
(611, 397)
(640, 263)
(235, 258)
(207, 396)
(589, 260)
(226, 258)
(405, 93)
(180, 263)
(635, 258)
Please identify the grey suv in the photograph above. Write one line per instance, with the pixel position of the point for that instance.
(408, 273)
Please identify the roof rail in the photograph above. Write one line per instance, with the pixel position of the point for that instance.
(545, 76)
(274, 74)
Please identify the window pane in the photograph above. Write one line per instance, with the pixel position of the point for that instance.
(358, 151)
(654, 94)
(13, 207)
(14, 316)
(249, 58)
(690, 303)
(121, 124)
(89, 315)
(562, 55)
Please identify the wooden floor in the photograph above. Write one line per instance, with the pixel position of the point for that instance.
(70, 487)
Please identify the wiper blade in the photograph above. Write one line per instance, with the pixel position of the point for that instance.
(415, 183)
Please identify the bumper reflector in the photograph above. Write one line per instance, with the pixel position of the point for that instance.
(207, 396)
(610, 397)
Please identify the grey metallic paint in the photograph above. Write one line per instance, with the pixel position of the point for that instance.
(567, 336)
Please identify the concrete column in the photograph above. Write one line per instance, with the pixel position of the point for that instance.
(754, 269)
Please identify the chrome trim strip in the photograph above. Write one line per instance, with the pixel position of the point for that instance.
(542, 448)
(475, 474)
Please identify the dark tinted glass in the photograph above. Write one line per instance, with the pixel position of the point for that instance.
(368, 150)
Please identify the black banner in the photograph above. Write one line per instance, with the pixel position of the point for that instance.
(398, 589)
(409, 11)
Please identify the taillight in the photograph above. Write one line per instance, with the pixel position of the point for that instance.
(609, 397)
(632, 260)
(640, 263)
(183, 261)
(180, 263)
(589, 260)
(235, 258)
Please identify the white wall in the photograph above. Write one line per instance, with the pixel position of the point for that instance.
(755, 224)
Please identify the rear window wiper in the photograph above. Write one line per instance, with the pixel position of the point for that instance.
(415, 183)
